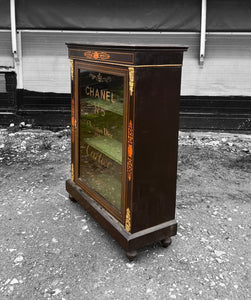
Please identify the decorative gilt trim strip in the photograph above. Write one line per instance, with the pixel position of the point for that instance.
(72, 129)
(131, 80)
(72, 172)
(72, 68)
(89, 55)
(128, 220)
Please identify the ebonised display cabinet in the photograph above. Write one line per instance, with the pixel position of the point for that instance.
(125, 116)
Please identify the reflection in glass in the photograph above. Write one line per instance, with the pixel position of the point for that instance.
(101, 133)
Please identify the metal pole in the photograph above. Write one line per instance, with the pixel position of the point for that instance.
(203, 31)
(13, 28)
(19, 65)
(111, 32)
(227, 33)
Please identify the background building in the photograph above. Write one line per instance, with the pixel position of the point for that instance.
(216, 79)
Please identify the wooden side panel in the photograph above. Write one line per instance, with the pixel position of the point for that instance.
(155, 156)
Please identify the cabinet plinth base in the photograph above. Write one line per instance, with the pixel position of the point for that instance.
(129, 241)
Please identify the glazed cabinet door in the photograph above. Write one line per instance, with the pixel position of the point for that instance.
(102, 108)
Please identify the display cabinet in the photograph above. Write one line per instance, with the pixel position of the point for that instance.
(125, 113)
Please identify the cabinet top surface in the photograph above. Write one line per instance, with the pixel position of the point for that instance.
(129, 47)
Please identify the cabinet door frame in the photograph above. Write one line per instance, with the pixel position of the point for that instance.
(125, 196)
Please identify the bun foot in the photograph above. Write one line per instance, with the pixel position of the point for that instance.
(166, 242)
(131, 255)
(72, 199)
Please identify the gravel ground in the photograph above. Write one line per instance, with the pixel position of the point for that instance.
(52, 249)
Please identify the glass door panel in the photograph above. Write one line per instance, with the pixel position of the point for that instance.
(101, 133)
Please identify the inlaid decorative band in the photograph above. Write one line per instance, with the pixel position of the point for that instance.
(97, 55)
(130, 151)
(72, 121)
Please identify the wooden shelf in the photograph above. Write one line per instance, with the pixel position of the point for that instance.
(116, 107)
(109, 147)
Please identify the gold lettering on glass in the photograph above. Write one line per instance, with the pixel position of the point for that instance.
(100, 94)
(131, 80)
(128, 220)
